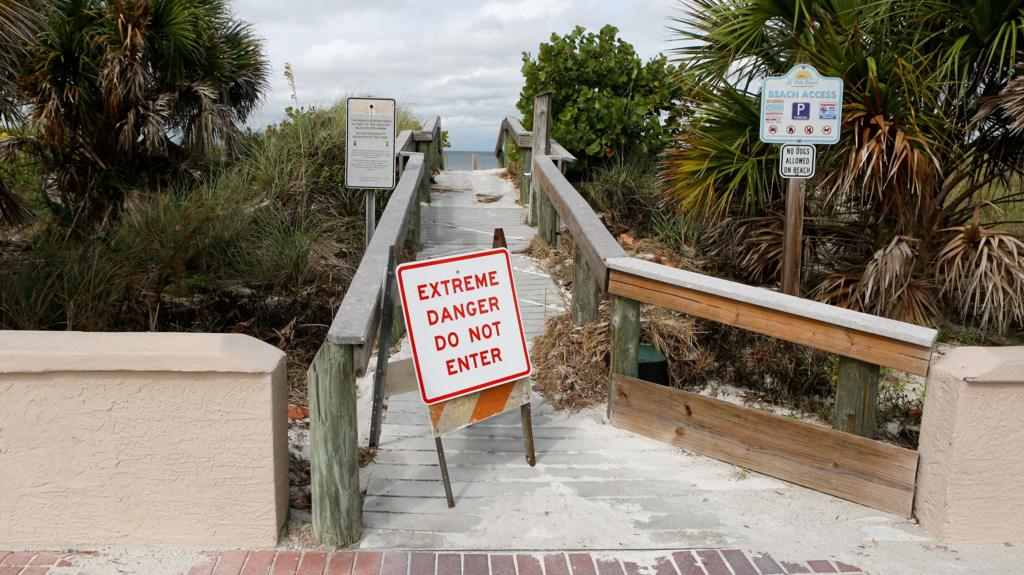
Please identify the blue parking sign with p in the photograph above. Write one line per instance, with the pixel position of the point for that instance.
(801, 111)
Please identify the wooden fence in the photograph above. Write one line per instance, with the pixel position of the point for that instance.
(334, 455)
(837, 461)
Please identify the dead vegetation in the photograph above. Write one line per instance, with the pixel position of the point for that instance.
(571, 362)
(558, 261)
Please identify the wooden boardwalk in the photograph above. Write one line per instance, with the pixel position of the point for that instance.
(464, 210)
(595, 486)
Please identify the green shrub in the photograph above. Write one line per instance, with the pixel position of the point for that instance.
(277, 222)
(606, 102)
(63, 286)
(629, 194)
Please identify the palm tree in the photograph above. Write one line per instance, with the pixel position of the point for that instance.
(19, 22)
(906, 218)
(121, 94)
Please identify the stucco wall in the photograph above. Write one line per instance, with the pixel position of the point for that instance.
(972, 447)
(141, 440)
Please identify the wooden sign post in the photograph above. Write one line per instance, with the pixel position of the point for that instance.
(469, 347)
(796, 164)
(800, 107)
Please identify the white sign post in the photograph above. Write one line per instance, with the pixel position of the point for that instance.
(464, 324)
(370, 150)
(802, 108)
(797, 161)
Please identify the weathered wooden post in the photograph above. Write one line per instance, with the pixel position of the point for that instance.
(426, 148)
(334, 453)
(475, 159)
(546, 216)
(501, 152)
(540, 146)
(525, 177)
(586, 295)
(792, 241)
(856, 397)
(625, 341)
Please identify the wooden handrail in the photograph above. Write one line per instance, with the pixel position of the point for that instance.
(334, 454)
(588, 231)
(870, 338)
(405, 142)
(523, 138)
(428, 132)
(357, 317)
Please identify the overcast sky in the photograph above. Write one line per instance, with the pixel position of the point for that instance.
(459, 59)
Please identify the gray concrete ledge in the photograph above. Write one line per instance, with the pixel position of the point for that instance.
(52, 351)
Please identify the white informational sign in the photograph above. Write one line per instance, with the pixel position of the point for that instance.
(464, 324)
(802, 107)
(370, 143)
(797, 161)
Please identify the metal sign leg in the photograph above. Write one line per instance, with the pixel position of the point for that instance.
(524, 410)
(444, 472)
(371, 214)
(383, 347)
(527, 413)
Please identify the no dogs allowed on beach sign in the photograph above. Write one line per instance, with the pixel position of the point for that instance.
(464, 323)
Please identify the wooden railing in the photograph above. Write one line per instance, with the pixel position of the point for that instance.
(334, 456)
(513, 133)
(885, 477)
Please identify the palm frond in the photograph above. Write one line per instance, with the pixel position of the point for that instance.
(981, 269)
(889, 284)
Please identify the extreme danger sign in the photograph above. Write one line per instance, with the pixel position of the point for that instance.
(464, 324)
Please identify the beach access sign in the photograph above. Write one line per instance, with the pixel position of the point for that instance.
(464, 324)
(802, 107)
(370, 143)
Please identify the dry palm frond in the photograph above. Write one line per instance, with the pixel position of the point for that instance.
(1010, 102)
(763, 246)
(749, 249)
(13, 210)
(889, 285)
(885, 164)
(887, 273)
(982, 270)
(917, 302)
(839, 289)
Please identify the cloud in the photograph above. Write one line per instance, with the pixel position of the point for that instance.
(458, 59)
(524, 10)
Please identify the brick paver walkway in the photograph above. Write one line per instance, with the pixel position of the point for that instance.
(272, 562)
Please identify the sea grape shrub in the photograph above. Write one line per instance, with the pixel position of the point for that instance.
(606, 102)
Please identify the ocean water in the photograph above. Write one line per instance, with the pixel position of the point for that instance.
(464, 160)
